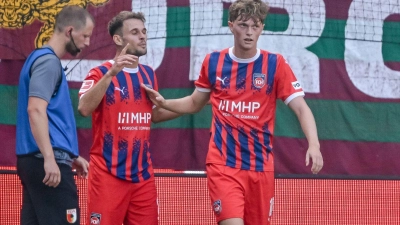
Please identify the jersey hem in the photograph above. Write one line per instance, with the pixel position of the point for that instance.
(221, 164)
(38, 95)
(203, 89)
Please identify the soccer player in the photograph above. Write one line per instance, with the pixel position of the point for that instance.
(47, 144)
(121, 179)
(243, 84)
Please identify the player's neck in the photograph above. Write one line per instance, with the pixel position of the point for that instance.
(57, 46)
(244, 53)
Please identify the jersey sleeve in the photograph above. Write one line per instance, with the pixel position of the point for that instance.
(45, 77)
(91, 79)
(288, 87)
(203, 83)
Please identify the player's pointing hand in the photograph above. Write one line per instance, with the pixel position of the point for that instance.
(123, 60)
(154, 96)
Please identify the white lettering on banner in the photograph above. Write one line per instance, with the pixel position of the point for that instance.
(78, 69)
(306, 23)
(155, 12)
(363, 59)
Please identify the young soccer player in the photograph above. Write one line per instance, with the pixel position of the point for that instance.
(121, 179)
(243, 84)
(47, 144)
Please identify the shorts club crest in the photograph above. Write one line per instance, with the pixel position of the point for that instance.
(71, 215)
(217, 207)
(95, 218)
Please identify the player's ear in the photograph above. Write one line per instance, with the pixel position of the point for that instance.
(230, 25)
(117, 40)
(68, 30)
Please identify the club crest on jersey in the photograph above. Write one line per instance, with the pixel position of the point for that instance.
(217, 206)
(258, 80)
(71, 215)
(95, 218)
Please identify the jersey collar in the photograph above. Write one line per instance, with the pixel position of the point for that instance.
(239, 60)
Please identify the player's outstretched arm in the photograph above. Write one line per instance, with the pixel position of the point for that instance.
(161, 115)
(189, 104)
(307, 122)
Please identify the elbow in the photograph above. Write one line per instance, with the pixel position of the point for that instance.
(196, 110)
(157, 119)
(32, 110)
(154, 120)
(84, 112)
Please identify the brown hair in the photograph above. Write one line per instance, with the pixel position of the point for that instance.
(116, 23)
(72, 15)
(248, 9)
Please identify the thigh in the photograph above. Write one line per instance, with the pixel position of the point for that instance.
(143, 207)
(28, 215)
(259, 201)
(226, 192)
(108, 197)
(51, 205)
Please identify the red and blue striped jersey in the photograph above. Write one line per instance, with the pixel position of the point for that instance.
(243, 97)
(121, 122)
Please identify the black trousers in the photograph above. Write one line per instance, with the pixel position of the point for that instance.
(44, 205)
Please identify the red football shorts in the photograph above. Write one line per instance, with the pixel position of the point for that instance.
(244, 194)
(115, 201)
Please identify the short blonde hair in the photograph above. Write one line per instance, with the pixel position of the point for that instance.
(248, 9)
(72, 15)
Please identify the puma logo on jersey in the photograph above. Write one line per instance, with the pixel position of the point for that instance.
(121, 90)
(222, 80)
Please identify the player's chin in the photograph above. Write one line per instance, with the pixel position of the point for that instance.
(248, 45)
(141, 53)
